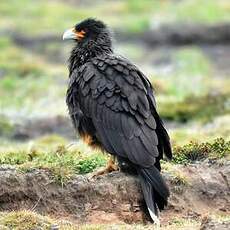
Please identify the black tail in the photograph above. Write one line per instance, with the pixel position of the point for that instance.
(154, 189)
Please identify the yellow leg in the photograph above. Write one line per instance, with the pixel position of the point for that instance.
(111, 166)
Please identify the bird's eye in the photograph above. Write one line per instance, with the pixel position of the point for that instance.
(81, 33)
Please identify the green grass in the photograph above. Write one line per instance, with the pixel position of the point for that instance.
(32, 96)
(48, 153)
(202, 11)
(17, 62)
(202, 108)
(26, 78)
(131, 15)
(190, 91)
(53, 154)
(16, 92)
(190, 74)
(6, 127)
(194, 151)
(49, 16)
(199, 132)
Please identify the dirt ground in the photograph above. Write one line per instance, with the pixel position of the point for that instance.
(202, 190)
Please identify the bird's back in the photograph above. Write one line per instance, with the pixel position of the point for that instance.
(113, 95)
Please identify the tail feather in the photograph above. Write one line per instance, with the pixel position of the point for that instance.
(149, 196)
(154, 189)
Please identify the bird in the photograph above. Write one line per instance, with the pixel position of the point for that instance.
(112, 106)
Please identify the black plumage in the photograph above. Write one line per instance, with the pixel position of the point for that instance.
(111, 102)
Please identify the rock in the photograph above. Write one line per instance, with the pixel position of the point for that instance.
(54, 227)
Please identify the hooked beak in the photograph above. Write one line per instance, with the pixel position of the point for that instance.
(69, 34)
(72, 34)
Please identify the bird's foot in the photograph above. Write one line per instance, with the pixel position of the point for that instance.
(111, 166)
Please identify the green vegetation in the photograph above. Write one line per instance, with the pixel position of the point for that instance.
(17, 62)
(204, 108)
(190, 91)
(201, 132)
(25, 79)
(62, 162)
(33, 84)
(19, 89)
(54, 16)
(190, 73)
(219, 148)
(208, 11)
(5, 126)
(17, 92)
(23, 220)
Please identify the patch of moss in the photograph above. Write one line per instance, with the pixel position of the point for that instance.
(194, 151)
(196, 107)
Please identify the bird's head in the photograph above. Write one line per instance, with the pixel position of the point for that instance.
(89, 31)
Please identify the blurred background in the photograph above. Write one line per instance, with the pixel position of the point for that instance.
(183, 46)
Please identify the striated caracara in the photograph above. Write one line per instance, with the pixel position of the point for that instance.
(112, 106)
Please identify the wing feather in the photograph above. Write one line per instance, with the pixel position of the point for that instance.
(120, 102)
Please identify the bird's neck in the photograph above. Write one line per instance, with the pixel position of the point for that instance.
(83, 53)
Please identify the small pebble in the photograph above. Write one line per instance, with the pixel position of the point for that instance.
(54, 227)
